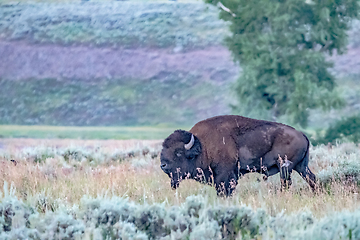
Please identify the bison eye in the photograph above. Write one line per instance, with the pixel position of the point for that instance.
(179, 153)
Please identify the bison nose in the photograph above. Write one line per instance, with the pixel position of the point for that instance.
(163, 165)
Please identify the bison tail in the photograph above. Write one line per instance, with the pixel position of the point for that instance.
(306, 155)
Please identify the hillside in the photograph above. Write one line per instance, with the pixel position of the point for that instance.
(116, 63)
(126, 63)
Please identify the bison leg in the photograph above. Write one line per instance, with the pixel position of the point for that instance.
(271, 171)
(225, 184)
(285, 177)
(278, 166)
(309, 177)
(305, 172)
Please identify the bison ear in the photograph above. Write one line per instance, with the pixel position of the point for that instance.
(193, 148)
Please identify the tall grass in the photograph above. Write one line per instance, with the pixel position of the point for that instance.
(69, 169)
(78, 182)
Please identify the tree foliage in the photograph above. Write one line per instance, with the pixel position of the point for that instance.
(281, 47)
(347, 129)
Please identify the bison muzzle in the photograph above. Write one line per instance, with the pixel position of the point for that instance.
(221, 149)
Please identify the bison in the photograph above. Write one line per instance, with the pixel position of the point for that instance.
(221, 149)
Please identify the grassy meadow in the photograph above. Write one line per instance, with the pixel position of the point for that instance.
(59, 132)
(97, 189)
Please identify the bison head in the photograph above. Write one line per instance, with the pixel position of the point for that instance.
(179, 155)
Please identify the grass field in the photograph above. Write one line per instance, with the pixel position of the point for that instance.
(17, 131)
(97, 189)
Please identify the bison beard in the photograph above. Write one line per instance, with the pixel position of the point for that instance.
(221, 149)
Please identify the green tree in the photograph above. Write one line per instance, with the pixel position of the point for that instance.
(345, 129)
(281, 46)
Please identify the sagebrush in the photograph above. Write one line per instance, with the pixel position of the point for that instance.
(84, 192)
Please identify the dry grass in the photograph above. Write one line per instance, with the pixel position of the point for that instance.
(13, 144)
(140, 179)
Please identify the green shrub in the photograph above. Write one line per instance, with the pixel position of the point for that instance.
(59, 225)
(104, 218)
(13, 213)
(347, 172)
(347, 129)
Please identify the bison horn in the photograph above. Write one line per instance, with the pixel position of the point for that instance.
(191, 143)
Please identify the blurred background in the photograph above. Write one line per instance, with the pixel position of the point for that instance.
(141, 69)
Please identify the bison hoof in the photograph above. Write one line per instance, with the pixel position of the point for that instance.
(174, 185)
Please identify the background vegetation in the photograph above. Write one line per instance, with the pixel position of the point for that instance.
(181, 98)
(60, 132)
(173, 96)
(281, 47)
(103, 102)
(126, 24)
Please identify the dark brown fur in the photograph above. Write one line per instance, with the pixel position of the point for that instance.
(227, 147)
